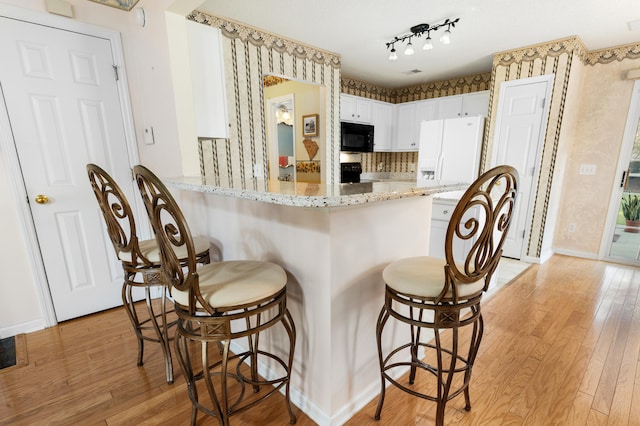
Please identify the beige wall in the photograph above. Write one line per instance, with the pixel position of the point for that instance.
(588, 109)
(597, 138)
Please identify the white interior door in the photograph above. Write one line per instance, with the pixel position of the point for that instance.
(519, 135)
(63, 105)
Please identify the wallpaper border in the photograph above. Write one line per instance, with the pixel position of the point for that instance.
(260, 38)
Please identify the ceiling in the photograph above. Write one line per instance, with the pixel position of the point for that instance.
(358, 30)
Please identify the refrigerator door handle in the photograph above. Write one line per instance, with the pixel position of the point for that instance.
(439, 168)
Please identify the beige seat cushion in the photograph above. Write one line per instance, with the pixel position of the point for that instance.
(236, 282)
(150, 250)
(423, 277)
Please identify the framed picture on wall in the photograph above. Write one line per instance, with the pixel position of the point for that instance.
(310, 125)
(120, 4)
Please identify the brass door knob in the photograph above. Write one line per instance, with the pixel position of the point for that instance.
(42, 199)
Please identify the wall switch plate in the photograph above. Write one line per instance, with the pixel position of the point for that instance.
(587, 169)
(149, 138)
(257, 170)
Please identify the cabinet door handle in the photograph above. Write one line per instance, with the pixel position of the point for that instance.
(445, 211)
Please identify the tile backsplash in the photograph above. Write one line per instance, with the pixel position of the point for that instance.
(390, 162)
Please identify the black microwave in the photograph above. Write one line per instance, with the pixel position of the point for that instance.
(356, 137)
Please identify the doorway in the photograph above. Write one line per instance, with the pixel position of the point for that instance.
(62, 106)
(623, 236)
(281, 139)
(522, 112)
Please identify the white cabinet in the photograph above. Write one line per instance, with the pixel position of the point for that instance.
(470, 104)
(440, 217)
(397, 127)
(355, 109)
(408, 118)
(382, 120)
(426, 110)
(207, 78)
(406, 135)
(476, 103)
(449, 107)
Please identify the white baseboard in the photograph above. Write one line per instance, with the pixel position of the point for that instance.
(370, 392)
(25, 327)
(574, 253)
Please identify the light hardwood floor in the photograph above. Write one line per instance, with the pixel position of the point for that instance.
(561, 346)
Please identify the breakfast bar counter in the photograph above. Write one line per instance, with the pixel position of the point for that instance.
(302, 194)
(333, 242)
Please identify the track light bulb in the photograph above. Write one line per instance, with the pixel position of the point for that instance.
(446, 37)
(393, 56)
(428, 45)
(409, 49)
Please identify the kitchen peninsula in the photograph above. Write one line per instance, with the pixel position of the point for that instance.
(333, 241)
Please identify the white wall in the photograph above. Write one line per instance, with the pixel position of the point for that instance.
(149, 75)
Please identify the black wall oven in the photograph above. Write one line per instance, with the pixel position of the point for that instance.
(356, 137)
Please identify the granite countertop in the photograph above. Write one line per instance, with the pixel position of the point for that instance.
(318, 195)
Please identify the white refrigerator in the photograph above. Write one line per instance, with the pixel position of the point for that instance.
(450, 149)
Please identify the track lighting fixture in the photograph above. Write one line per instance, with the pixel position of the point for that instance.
(418, 31)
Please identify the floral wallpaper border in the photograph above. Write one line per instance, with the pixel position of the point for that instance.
(246, 33)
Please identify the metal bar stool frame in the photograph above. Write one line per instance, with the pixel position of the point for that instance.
(139, 270)
(203, 322)
(445, 295)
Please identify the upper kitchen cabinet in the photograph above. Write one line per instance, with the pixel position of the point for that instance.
(382, 120)
(406, 127)
(408, 118)
(476, 103)
(207, 79)
(355, 109)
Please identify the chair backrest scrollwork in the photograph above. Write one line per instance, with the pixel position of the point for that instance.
(172, 234)
(481, 220)
(117, 214)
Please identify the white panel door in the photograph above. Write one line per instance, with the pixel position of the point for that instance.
(519, 136)
(63, 105)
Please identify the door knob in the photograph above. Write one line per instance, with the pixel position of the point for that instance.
(42, 199)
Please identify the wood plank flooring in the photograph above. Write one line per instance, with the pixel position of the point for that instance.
(561, 346)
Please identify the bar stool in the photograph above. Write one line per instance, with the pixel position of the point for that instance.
(445, 294)
(141, 265)
(216, 304)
